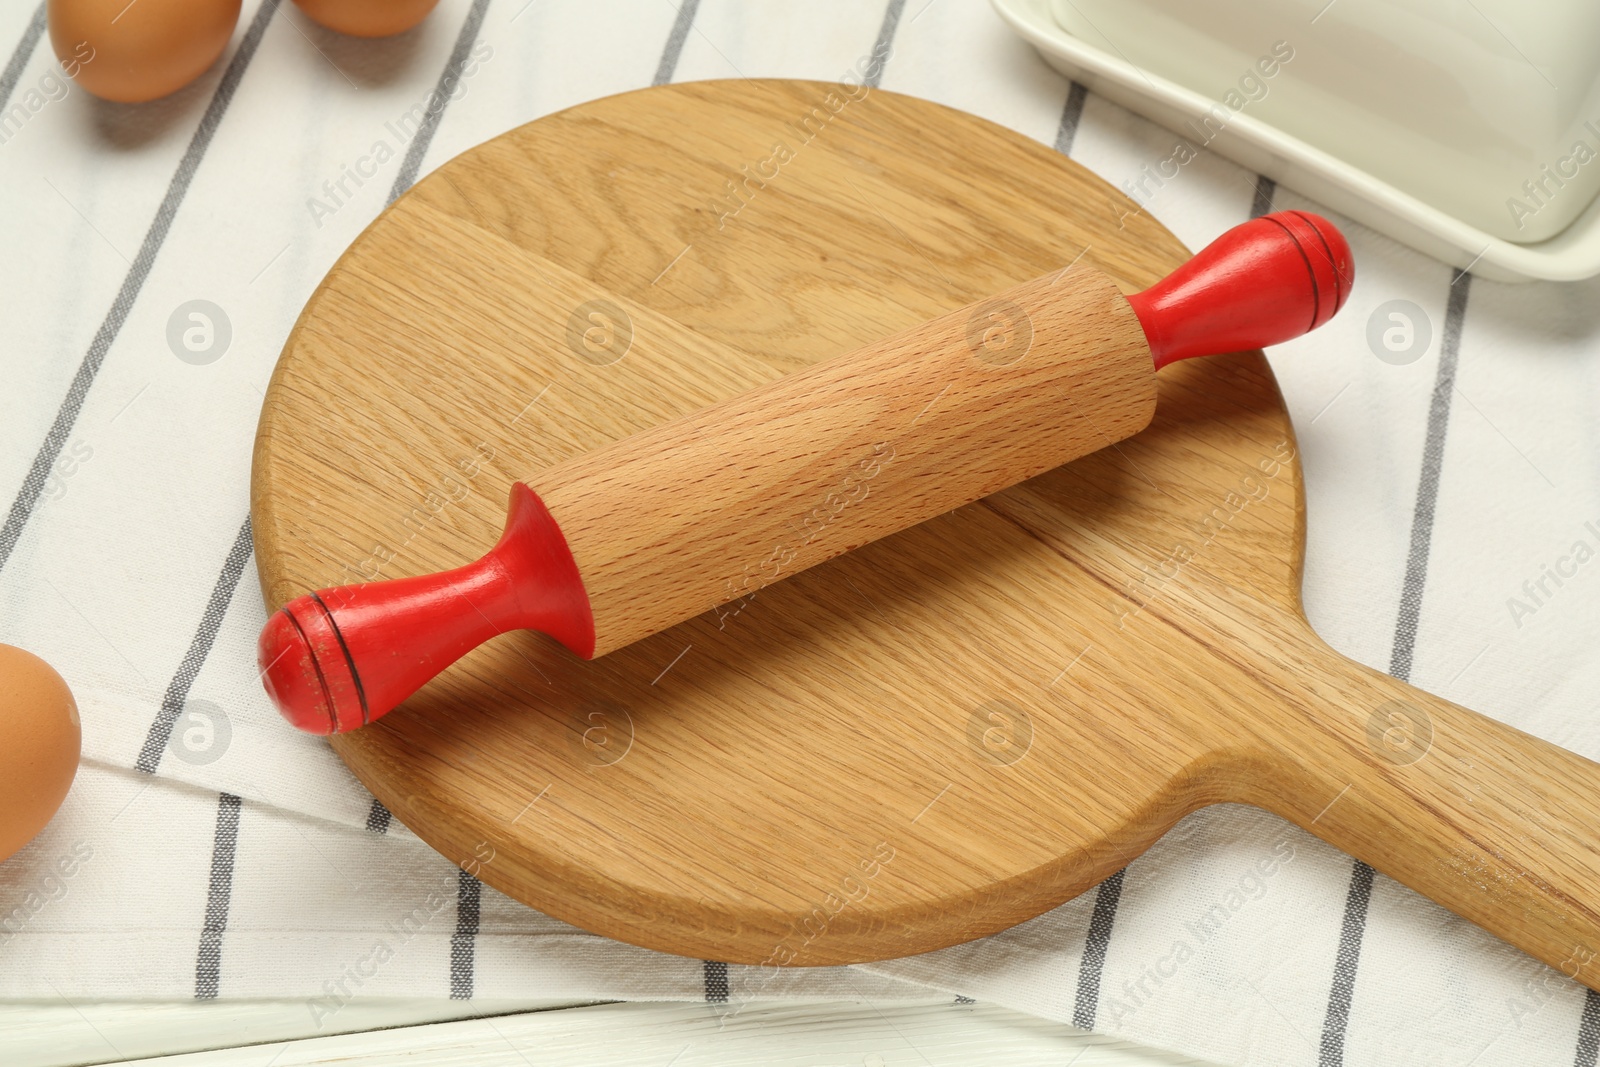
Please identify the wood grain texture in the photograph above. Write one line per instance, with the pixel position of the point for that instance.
(705, 511)
(923, 741)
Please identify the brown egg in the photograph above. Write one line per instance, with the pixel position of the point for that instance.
(39, 741)
(367, 18)
(132, 52)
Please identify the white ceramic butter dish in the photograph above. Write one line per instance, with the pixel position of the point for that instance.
(1468, 129)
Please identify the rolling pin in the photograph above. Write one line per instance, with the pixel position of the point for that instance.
(701, 513)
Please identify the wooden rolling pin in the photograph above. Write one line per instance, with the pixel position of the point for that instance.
(701, 513)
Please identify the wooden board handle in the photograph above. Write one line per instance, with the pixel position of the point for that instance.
(1495, 824)
(705, 511)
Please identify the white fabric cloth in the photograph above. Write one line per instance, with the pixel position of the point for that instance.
(206, 850)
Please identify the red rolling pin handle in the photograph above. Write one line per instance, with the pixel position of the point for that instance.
(339, 658)
(1261, 283)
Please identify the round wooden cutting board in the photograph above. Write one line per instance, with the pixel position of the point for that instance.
(922, 742)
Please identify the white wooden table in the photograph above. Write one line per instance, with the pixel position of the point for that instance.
(521, 1034)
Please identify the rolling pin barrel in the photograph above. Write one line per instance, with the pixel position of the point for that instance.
(702, 512)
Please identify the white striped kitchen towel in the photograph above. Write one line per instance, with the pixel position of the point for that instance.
(207, 851)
